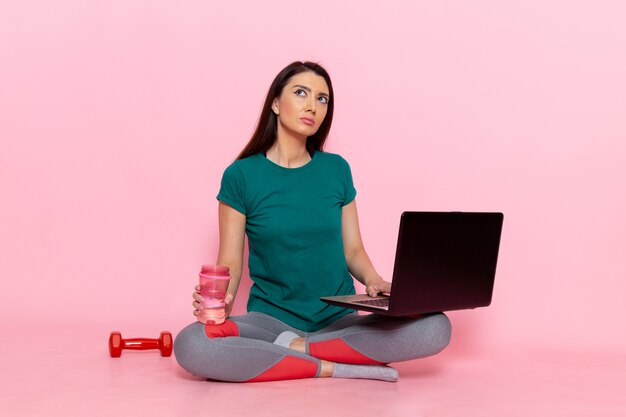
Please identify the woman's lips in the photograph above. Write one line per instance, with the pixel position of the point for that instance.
(307, 121)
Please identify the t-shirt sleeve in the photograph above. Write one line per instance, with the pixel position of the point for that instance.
(233, 189)
(350, 191)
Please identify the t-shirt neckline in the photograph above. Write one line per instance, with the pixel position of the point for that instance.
(285, 169)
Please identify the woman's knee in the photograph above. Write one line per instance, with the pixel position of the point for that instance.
(193, 348)
(203, 353)
(439, 330)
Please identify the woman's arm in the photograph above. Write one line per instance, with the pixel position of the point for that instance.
(359, 263)
(232, 235)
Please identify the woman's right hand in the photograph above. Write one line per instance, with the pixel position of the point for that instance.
(197, 299)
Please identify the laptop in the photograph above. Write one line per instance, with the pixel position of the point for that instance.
(444, 261)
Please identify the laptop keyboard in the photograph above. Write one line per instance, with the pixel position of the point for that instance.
(376, 302)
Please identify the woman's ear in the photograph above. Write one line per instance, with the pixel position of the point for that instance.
(275, 106)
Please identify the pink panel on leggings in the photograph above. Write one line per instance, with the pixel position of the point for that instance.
(336, 350)
(288, 368)
(228, 328)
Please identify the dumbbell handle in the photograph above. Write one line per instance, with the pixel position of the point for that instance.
(140, 343)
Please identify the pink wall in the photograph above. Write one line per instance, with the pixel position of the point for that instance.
(117, 119)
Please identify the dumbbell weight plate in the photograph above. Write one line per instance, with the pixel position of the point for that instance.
(166, 340)
(115, 344)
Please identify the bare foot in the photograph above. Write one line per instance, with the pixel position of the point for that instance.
(298, 344)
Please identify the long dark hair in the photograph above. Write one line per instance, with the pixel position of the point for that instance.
(264, 135)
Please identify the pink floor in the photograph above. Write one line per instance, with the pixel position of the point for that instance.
(66, 371)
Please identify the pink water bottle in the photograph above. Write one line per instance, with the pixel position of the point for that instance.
(213, 285)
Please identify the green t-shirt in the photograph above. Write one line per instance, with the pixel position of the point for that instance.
(293, 224)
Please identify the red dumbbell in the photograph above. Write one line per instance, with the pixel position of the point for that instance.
(117, 344)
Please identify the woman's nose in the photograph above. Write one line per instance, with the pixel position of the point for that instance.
(311, 106)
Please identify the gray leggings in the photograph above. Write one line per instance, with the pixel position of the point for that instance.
(241, 350)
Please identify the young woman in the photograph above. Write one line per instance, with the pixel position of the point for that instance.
(296, 205)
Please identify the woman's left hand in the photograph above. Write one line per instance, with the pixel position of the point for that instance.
(377, 286)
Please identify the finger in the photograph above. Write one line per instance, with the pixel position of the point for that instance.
(198, 287)
(196, 305)
(198, 297)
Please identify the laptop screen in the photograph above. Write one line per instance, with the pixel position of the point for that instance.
(445, 260)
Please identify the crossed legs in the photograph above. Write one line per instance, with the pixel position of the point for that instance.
(242, 350)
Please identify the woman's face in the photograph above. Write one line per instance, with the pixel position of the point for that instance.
(302, 105)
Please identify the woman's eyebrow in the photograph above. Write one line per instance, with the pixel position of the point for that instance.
(304, 87)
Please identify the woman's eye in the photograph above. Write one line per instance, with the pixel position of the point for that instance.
(323, 99)
(300, 92)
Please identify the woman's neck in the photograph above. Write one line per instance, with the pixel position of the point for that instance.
(289, 153)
